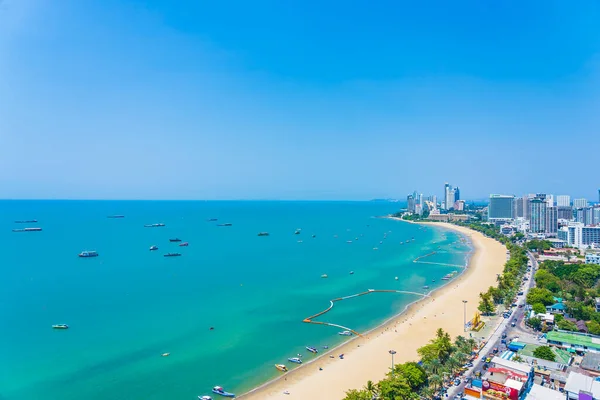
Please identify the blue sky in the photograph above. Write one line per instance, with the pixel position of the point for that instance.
(304, 99)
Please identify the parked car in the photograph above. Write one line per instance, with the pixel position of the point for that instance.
(520, 293)
(513, 324)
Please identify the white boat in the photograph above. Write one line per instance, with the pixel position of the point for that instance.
(345, 333)
(348, 241)
(88, 254)
(324, 276)
(375, 248)
(295, 360)
(204, 398)
(220, 391)
(312, 349)
(153, 248)
(60, 326)
(396, 278)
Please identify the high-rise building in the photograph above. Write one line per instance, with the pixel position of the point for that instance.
(598, 196)
(537, 215)
(456, 194)
(410, 200)
(459, 205)
(551, 220)
(447, 189)
(596, 215)
(549, 200)
(585, 215)
(518, 207)
(580, 203)
(563, 200)
(577, 235)
(565, 212)
(500, 207)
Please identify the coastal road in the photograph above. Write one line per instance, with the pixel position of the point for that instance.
(503, 325)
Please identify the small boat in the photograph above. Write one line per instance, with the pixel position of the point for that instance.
(381, 242)
(27, 221)
(286, 392)
(324, 276)
(172, 255)
(396, 278)
(116, 216)
(325, 347)
(153, 248)
(225, 224)
(345, 333)
(87, 254)
(295, 360)
(60, 326)
(263, 233)
(375, 248)
(153, 225)
(348, 241)
(212, 219)
(312, 349)
(184, 244)
(351, 272)
(281, 367)
(300, 241)
(356, 238)
(433, 280)
(298, 231)
(175, 240)
(204, 398)
(220, 391)
(165, 354)
(425, 287)
(27, 230)
(314, 236)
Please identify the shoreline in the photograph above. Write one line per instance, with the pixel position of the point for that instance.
(367, 358)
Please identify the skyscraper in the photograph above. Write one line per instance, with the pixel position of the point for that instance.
(565, 212)
(518, 207)
(456, 194)
(537, 215)
(580, 203)
(551, 220)
(563, 200)
(550, 200)
(500, 207)
(410, 200)
(447, 190)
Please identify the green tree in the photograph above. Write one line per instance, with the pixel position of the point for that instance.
(415, 374)
(396, 389)
(535, 323)
(354, 394)
(545, 279)
(371, 388)
(486, 305)
(545, 353)
(540, 295)
(566, 325)
(538, 308)
(593, 327)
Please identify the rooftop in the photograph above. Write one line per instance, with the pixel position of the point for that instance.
(538, 392)
(519, 367)
(591, 361)
(557, 306)
(573, 339)
(579, 382)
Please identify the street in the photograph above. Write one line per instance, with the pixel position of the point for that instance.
(503, 325)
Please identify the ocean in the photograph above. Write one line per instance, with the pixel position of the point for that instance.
(129, 305)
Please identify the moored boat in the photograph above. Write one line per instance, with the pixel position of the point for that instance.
(324, 276)
(165, 354)
(184, 244)
(88, 254)
(220, 391)
(263, 233)
(281, 367)
(172, 255)
(116, 216)
(175, 240)
(60, 326)
(27, 221)
(297, 231)
(27, 230)
(204, 398)
(153, 248)
(225, 224)
(345, 333)
(312, 349)
(295, 360)
(154, 225)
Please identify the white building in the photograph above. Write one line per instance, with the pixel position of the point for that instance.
(579, 383)
(563, 200)
(578, 235)
(538, 392)
(580, 203)
(550, 200)
(592, 258)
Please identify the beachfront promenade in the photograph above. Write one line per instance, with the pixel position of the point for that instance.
(310, 319)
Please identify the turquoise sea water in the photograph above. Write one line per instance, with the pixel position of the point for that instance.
(129, 305)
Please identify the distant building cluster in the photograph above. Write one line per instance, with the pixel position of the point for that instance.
(451, 201)
(574, 223)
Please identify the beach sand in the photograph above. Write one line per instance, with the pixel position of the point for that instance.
(367, 358)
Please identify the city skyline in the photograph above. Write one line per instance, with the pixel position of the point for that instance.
(271, 100)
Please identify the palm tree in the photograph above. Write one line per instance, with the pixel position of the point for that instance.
(371, 389)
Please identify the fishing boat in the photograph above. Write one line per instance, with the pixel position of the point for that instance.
(175, 240)
(172, 255)
(312, 349)
(60, 326)
(345, 333)
(184, 244)
(153, 248)
(204, 398)
(281, 367)
(263, 233)
(87, 254)
(221, 392)
(295, 360)
(153, 225)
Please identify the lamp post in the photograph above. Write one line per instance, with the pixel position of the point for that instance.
(465, 316)
(392, 352)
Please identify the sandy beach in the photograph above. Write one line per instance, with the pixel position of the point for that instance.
(367, 358)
